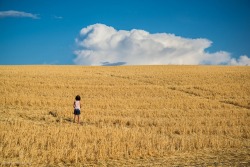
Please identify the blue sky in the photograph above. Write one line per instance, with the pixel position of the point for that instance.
(48, 35)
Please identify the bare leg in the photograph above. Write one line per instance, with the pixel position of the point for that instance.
(78, 117)
(74, 118)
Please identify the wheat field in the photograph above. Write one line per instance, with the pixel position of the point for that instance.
(131, 116)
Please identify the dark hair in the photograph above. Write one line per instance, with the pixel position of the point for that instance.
(78, 98)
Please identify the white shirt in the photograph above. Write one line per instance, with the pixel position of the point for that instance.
(77, 105)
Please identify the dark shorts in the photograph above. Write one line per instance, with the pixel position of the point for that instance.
(77, 112)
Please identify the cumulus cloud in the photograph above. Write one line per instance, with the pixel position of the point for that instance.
(243, 60)
(13, 13)
(99, 44)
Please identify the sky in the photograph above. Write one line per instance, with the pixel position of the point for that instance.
(131, 32)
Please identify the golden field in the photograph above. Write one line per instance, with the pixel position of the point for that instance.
(131, 116)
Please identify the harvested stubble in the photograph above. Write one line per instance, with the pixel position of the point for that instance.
(128, 113)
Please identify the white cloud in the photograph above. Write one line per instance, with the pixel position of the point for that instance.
(13, 13)
(242, 61)
(103, 45)
(57, 17)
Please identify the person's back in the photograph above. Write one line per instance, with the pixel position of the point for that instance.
(77, 104)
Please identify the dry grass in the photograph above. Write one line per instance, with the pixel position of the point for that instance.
(137, 115)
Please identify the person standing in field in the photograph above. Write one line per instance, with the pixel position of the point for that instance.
(77, 108)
